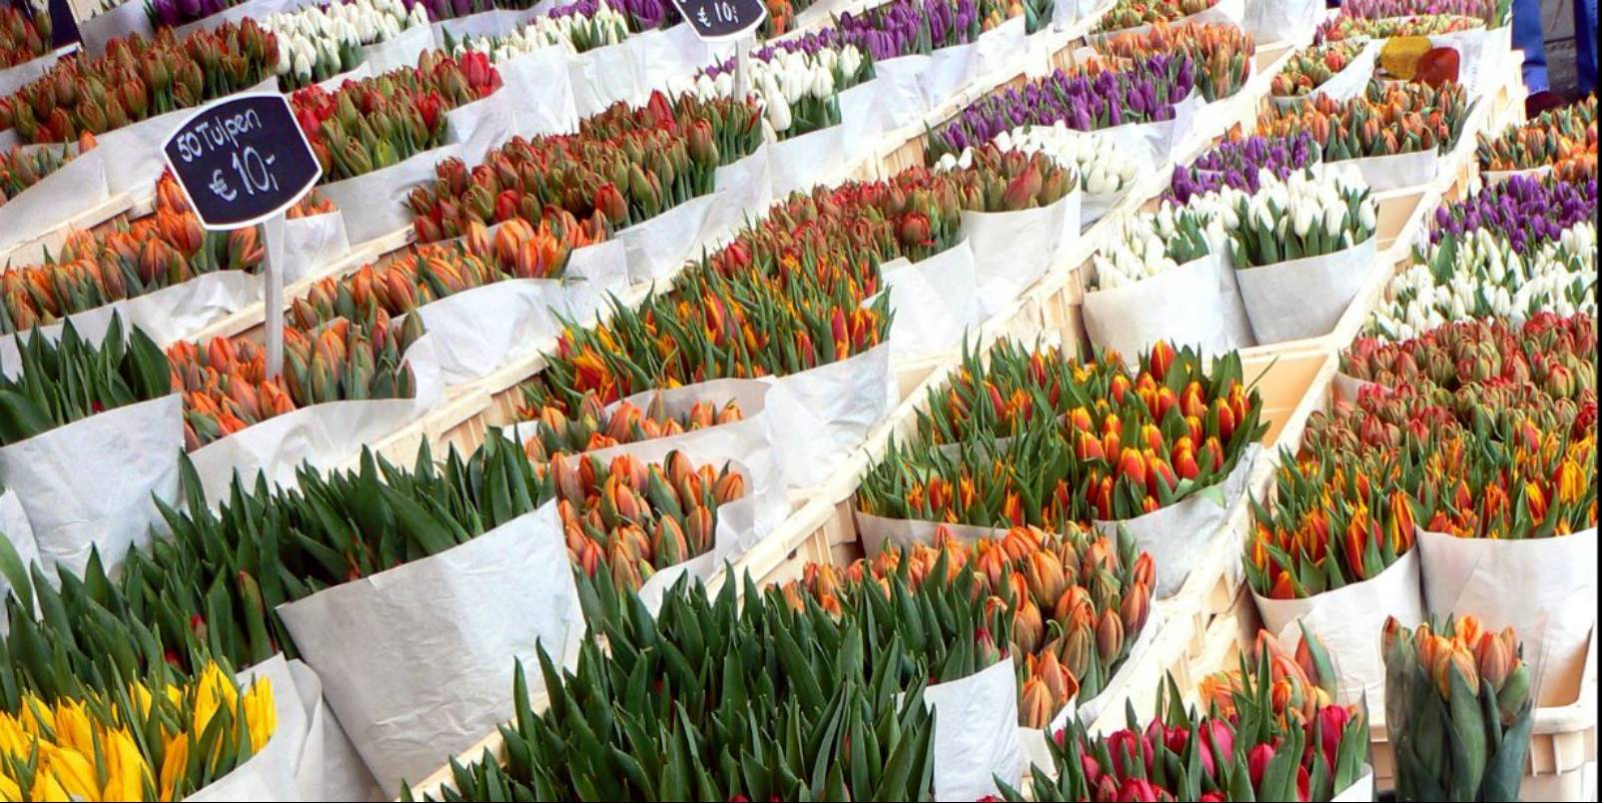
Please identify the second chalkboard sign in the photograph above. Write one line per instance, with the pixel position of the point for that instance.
(242, 160)
(719, 20)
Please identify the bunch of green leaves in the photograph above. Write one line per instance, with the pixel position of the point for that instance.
(711, 700)
(63, 382)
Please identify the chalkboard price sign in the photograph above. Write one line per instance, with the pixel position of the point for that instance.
(242, 160)
(719, 20)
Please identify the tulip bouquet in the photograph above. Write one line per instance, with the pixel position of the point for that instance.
(1303, 216)
(132, 260)
(24, 35)
(1459, 710)
(1125, 446)
(1529, 211)
(912, 27)
(378, 122)
(799, 80)
(213, 587)
(61, 382)
(787, 295)
(624, 167)
(1387, 119)
(1492, 13)
(1223, 53)
(1553, 353)
(776, 664)
(1085, 101)
(1480, 275)
(1103, 167)
(998, 180)
(126, 743)
(1271, 734)
(1153, 243)
(1564, 139)
(20, 169)
(1077, 602)
(431, 272)
(578, 27)
(1343, 27)
(1308, 69)
(588, 426)
(1133, 13)
(226, 387)
(317, 43)
(625, 519)
(137, 79)
(1239, 163)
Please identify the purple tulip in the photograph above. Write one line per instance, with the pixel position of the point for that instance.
(1529, 211)
(1237, 165)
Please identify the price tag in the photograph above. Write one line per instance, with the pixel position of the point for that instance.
(242, 160)
(722, 20)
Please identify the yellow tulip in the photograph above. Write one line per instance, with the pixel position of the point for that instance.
(260, 716)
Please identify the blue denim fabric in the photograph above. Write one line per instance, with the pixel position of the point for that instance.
(1586, 46)
(1528, 36)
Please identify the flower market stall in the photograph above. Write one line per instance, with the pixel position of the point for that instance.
(1127, 400)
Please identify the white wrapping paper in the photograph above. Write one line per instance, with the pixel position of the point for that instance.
(311, 244)
(1283, 20)
(1547, 589)
(936, 297)
(817, 157)
(604, 76)
(977, 733)
(1013, 249)
(734, 529)
(745, 192)
(328, 767)
(541, 97)
(325, 435)
(128, 18)
(863, 118)
(480, 330)
(15, 78)
(1069, 12)
(417, 661)
(15, 529)
(902, 96)
(750, 441)
(89, 484)
(1001, 52)
(1179, 305)
(821, 415)
(1304, 298)
(55, 200)
(133, 154)
(1476, 47)
(1396, 172)
(948, 71)
(477, 127)
(659, 247)
(401, 50)
(1177, 536)
(1349, 620)
(375, 204)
